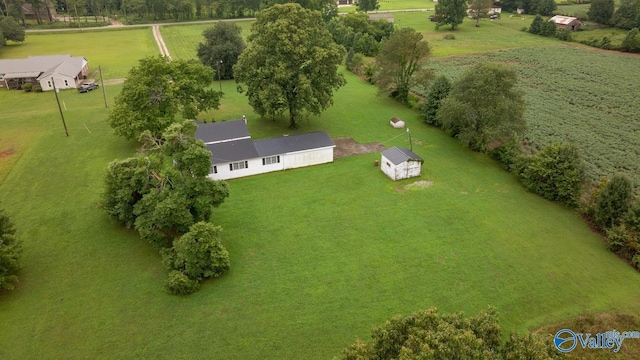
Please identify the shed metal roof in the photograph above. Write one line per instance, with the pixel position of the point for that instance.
(563, 20)
(230, 151)
(222, 131)
(293, 143)
(398, 155)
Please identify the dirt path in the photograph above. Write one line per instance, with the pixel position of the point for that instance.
(346, 146)
(160, 41)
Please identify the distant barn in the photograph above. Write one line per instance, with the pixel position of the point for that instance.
(569, 22)
(399, 163)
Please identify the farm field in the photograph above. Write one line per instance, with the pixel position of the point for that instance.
(585, 97)
(319, 255)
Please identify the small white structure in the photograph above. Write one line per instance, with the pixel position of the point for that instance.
(235, 154)
(400, 163)
(396, 123)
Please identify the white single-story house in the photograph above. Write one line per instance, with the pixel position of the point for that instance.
(396, 123)
(399, 163)
(566, 22)
(488, 11)
(235, 154)
(67, 71)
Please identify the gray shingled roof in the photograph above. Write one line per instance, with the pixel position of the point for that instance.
(66, 64)
(293, 143)
(229, 151)
(222, 131)
(398, 155)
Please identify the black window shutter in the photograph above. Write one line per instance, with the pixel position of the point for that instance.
(230, 167)
(278, 158)
(246, 164)
(263, 162)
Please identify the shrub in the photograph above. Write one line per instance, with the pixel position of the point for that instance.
(27, 87)
(507, 155)
(614, 201)
(37, 88)
(565, 34)
(369, 71)
(622, 241)
(180, 284)
(556, 173)
(631, 42)
(632, 218)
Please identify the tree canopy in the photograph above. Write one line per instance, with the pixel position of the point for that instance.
(438, 91)
(367, 5)
(450, 12)
(10, 250)
(290, 63)
(479, 9)
(157, 90)
(400, 60)
(11, 30)
(223, 44)
(484, 107)
(613, 201)
(430, 335)
(627, 16)
(601, 11)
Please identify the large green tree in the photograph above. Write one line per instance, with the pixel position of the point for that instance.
(223, 44)
(164, 190)
(450, 12)
(601, 11)
(484, 109)
(400, 61)
(430, 335)
(10, 250)
(290, 63)
(479, 9)
(157, 91)
(11, 30)
(367, 5)
(627, 16)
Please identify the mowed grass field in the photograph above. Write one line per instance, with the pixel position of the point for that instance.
(319, 255)
(116, 51)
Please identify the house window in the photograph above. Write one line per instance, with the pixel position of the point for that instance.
(238, 165)
(49, 83)
(66, 83)
(389, 165)
(214, 169)
(271, 160)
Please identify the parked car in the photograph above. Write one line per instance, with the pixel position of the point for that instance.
(432, 18)
(87, 87)
(494, 16)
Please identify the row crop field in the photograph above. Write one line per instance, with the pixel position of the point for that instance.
(584, 96)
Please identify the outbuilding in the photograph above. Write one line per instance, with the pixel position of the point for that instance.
(563, 22)
(400, 163)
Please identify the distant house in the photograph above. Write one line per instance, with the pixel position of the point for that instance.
(45, 12)
(235, 154)
(382, 16)
(494, 10)
(345, 2)
(67, 71)
(563, 22)
(399, 163)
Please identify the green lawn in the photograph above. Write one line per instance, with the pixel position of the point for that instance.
(115, 51)
(319, 255)
(183, 40)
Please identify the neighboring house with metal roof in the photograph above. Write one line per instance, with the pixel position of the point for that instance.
(234, 154)
(566, 22)
(66, 71)
(400, 163)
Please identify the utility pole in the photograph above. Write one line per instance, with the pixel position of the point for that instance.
(55, 91)
(410, 143)
(77, 17)
(219, 77)
(104, 91)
